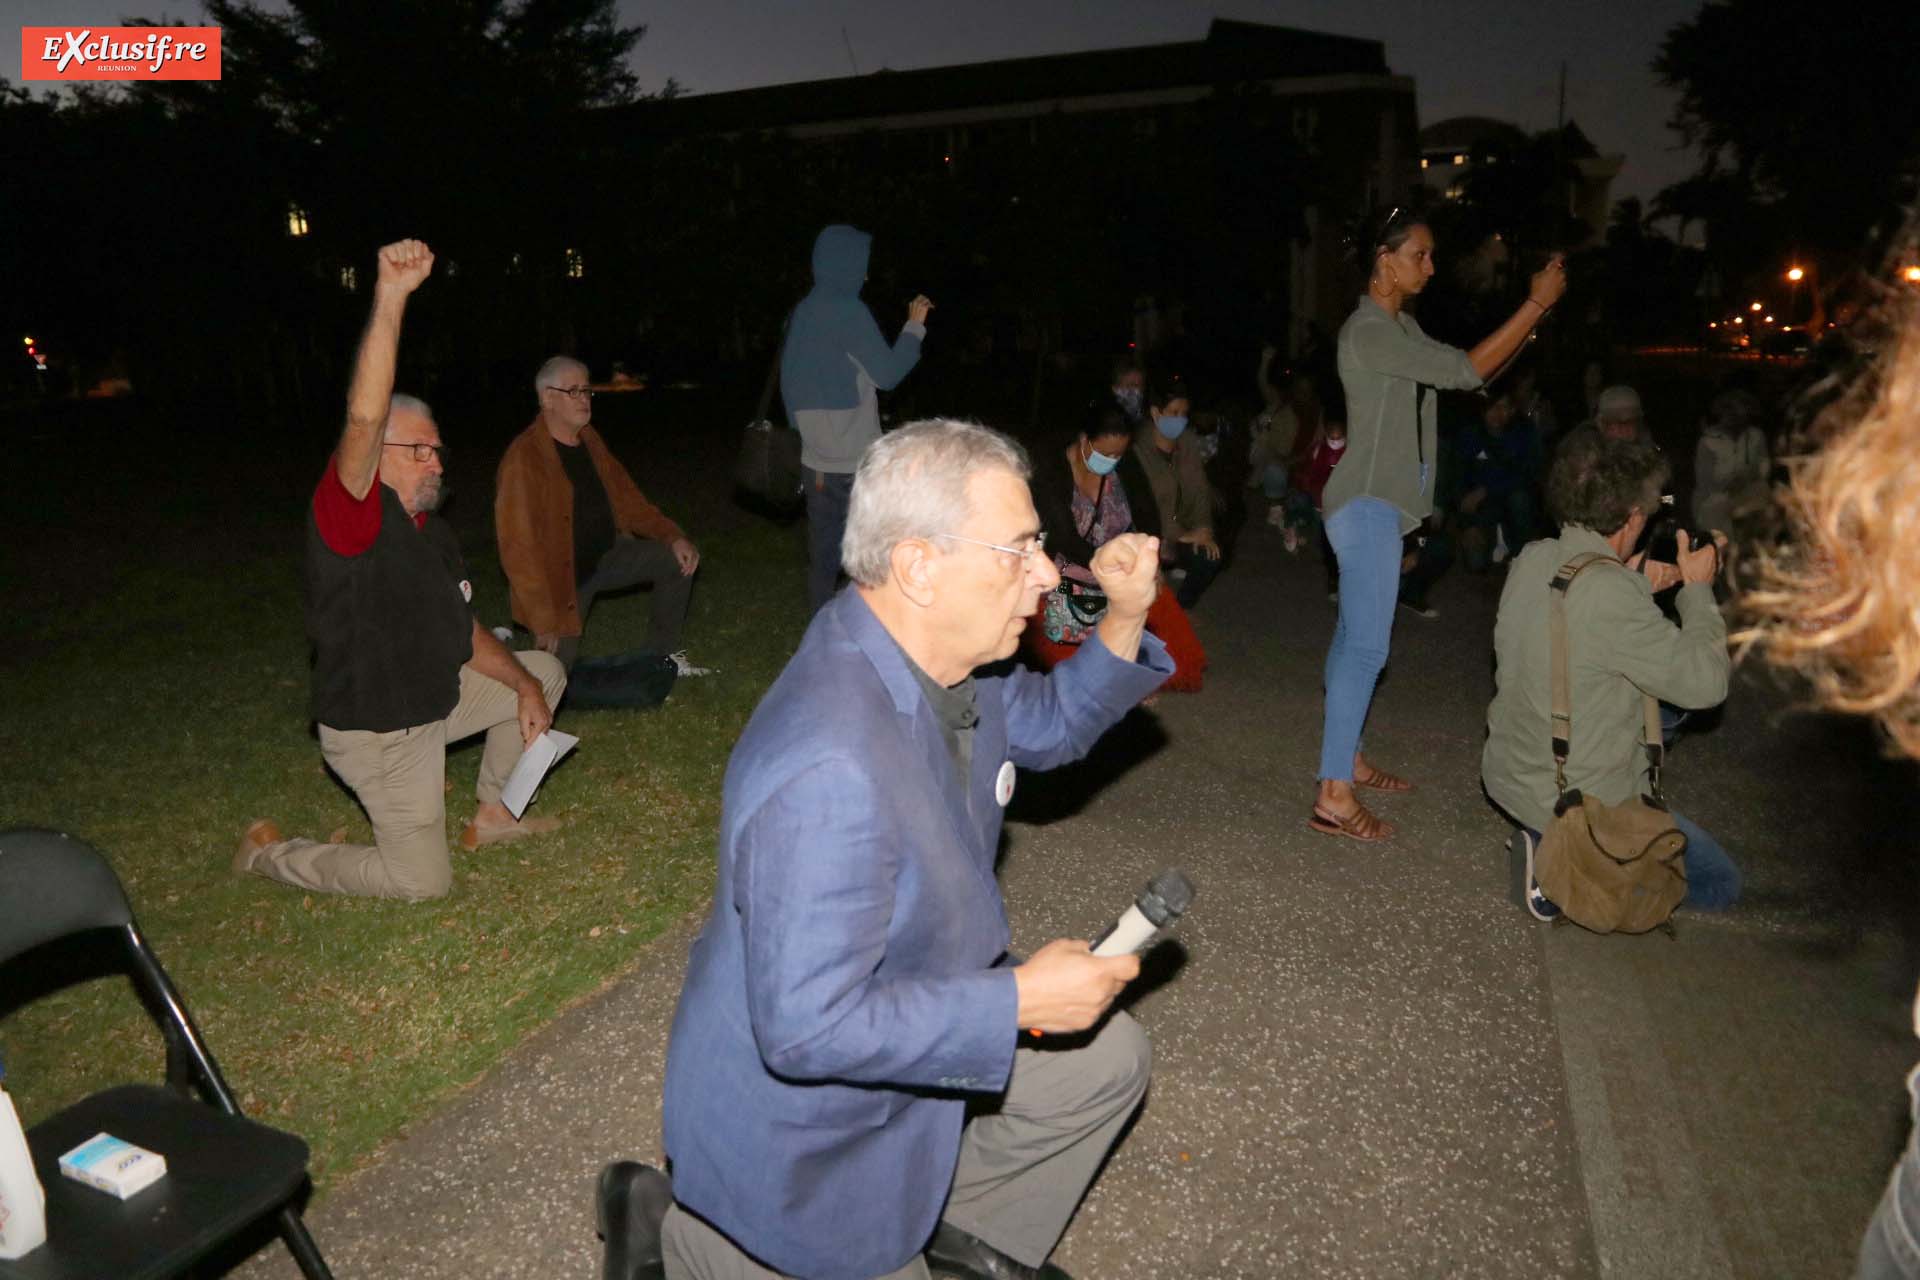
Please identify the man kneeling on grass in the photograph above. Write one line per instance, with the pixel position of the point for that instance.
(401, 666)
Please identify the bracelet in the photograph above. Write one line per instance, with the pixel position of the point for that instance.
(1543, 310)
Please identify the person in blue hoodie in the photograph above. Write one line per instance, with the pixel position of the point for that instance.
(833, 362)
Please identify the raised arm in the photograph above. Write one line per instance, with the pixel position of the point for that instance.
(402, 266)
(1497, 350)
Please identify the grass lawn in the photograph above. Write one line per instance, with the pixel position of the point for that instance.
(155, 676)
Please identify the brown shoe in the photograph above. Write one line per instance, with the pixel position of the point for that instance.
(260, 833)
(475, 835)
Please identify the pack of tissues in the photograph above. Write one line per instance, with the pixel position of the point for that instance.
(114, 1165)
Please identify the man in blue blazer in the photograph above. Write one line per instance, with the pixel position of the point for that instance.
(851, 993)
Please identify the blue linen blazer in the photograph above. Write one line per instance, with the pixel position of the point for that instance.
(848, 990)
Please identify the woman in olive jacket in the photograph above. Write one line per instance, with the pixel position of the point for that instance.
(1383, 487)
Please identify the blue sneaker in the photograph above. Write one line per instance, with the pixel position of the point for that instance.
(1539, 905)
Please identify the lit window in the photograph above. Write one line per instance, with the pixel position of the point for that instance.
(576, 265)
(350, 279)
(1459, 159)
(296, 221)
(1424, 162)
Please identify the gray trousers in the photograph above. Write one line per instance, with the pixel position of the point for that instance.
(400, 780)
(637, 562)
(1024, 1164)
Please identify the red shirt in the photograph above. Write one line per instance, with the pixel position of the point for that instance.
(348, 525)
(1311, 478)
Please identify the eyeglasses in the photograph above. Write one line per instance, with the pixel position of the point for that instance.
(1026, 553)
(421, 451)
(581, 394)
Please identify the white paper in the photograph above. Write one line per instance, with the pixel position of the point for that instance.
(541, 755)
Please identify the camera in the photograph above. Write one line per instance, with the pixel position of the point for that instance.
(1661, 538)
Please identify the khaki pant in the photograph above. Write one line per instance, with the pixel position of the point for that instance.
(1024, 1163)
(400, 779)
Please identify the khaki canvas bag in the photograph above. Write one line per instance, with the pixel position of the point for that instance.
(1610, 868)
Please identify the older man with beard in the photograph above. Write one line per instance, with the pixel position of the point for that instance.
(401, 666)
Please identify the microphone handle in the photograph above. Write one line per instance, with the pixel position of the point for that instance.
(1125, 935)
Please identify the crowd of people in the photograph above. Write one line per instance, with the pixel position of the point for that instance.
(862, 1080)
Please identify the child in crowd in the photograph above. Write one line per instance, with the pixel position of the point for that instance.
(1298, 514)
(1289, 413)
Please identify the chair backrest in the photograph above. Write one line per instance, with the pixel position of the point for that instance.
(52, 885)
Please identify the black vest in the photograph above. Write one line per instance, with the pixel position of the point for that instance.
(390, 627)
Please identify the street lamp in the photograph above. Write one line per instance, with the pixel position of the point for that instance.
(1753, 306)
(1912, 274)
(1795, 274)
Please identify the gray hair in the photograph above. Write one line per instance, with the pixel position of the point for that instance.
(551, 370)
(1618, 402)
(912, 483)
(403, 403)
(1597, 482)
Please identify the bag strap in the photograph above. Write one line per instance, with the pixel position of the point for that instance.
(1562, 723)
(773, 370)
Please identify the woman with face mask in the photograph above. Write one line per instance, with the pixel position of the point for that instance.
(1383, 487)
(1088, 490)
(1175, 470)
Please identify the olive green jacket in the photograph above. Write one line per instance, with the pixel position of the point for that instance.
(1619, 645)
(1179, 484)
(1384, 360)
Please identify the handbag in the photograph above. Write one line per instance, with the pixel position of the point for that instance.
(1611, 868)
(1072, 610)
(621, 681)
(768, 466)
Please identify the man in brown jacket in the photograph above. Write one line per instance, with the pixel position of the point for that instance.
(572, 524)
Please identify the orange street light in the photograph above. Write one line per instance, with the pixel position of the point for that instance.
(1913, 275)
(1795, 274)
(1753, 306)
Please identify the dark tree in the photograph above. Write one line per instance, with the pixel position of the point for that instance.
(1811, 115)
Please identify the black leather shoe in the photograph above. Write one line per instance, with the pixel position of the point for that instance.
(956, 1254)
(631, 1201)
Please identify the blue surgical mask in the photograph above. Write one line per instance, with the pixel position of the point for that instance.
(1099, 463)
(1129, 398)
(1171, 424)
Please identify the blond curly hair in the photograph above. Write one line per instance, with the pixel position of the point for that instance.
(1840, 601)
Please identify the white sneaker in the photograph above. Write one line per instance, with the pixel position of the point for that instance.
(686, 668)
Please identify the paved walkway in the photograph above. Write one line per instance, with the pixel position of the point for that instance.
(1369, 1062)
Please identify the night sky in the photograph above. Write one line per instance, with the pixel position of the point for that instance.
(1470, 57)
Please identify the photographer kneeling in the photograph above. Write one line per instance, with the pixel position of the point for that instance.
(1620, 648)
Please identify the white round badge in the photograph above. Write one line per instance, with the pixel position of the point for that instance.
(1003, 784)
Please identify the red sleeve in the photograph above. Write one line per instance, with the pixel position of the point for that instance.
(348, 525)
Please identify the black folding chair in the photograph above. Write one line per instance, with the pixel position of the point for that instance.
(224, 1172)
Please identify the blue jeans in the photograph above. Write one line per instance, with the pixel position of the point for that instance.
(1891, 1249)
(828, 493)
(1365, 536)
(1713, 882)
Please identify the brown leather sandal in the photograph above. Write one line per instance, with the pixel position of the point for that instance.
(1358, 825)
(1381, 780)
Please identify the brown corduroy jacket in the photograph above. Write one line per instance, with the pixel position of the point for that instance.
(533, 523)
